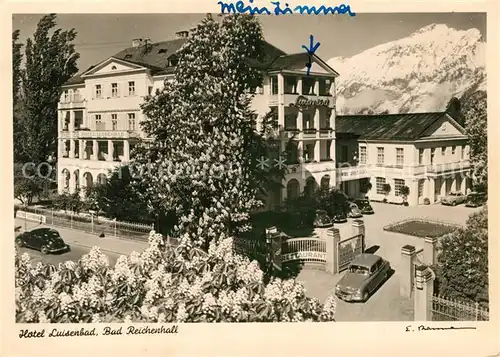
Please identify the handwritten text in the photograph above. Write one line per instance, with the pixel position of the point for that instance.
(239, 7)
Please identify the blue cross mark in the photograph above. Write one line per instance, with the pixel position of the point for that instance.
(310, 51)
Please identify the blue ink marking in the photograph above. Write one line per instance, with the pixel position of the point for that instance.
(280, 11)
(341, 9)
(240, 7)
(310, 51)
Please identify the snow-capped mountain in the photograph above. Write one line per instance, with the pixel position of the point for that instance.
(418, 73)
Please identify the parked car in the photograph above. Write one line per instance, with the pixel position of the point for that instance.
(322, 219)
(475, 199)
(339, 216)
(364, 205)
(354, 211)
(364, 275)
(453, 199)
(46, 240)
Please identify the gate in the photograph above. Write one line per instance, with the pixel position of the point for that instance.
(310, 251)
(348, 249)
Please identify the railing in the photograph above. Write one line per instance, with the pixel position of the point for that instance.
(89, 223)
(75, 98)
(446, 309)
(307, 250)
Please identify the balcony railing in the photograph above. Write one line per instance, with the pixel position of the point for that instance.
(75, 98)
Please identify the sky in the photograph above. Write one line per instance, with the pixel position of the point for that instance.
(102, 35)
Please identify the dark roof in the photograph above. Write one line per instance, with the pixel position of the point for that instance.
(158, 54)
(154, 55)
(366, 260)
(284, 61)
(387, 126)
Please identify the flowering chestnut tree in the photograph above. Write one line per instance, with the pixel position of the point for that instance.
(202, 160)
(161, 284)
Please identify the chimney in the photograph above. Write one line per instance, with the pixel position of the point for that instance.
(136, 42)
(182, 34)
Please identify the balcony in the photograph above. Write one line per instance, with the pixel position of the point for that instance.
(107, 134)
(347, 173)
(72, 101)
(326, 133)
(438, 169)
(309, 133)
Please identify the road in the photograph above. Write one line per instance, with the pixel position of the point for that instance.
(56, 258)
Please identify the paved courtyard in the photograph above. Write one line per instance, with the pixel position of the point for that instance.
(385, 304)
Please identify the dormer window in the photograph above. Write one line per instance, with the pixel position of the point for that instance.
(172, 61)
(128, 56)
(162, 50)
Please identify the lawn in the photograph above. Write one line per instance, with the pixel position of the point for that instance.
(421, 228)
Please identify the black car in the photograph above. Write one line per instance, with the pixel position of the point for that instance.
(46, 240)
(364, 205)
(322, 219)
(339, 216)
(476, 199)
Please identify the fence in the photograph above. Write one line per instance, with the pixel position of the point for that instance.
(86, 223)
(310, 251)
(445, 309)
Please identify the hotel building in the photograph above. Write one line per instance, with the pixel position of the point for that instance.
(99, 115)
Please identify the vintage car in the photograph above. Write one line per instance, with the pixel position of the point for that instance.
(364, 275)
(364, 205)
(475, 199)
(322, 219)
(354, 211)
(46, 240)
(339, 216)
(453, 199)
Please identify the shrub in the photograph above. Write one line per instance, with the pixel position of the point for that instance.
(404, 191)
(427, 201)
(462, 269)
(161, 284)
(386, 188)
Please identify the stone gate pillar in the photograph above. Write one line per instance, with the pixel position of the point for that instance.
(406, 269)
(424, 291)
(358, 227)
(332, 242)
(430, 250)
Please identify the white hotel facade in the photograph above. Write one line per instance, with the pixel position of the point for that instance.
(99, 115)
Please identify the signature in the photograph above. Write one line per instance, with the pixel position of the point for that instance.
(310, 51)
(410, 328)
(239, 7)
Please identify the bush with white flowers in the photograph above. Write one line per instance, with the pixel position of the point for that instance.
(161, 284)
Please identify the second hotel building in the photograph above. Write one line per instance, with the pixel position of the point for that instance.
(99, 116)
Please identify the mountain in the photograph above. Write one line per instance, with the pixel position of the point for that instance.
(418, 73)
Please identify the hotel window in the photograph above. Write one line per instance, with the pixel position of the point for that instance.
(114, 121)
(443, 151)
(433, 153)
(324, 86)
(453, 150)
(131, 88)
(420, 156)
(399, 156)
(398, 183)
(274, 85)
(290, 84)
(362, 155)
(462, 152)
(150, 90)
(379, 183)
(421, 188)
(131, 121)
(98, 91)
(308, 86)
(66, 96)
(380, 156)
(99, 125)
(114, 89)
